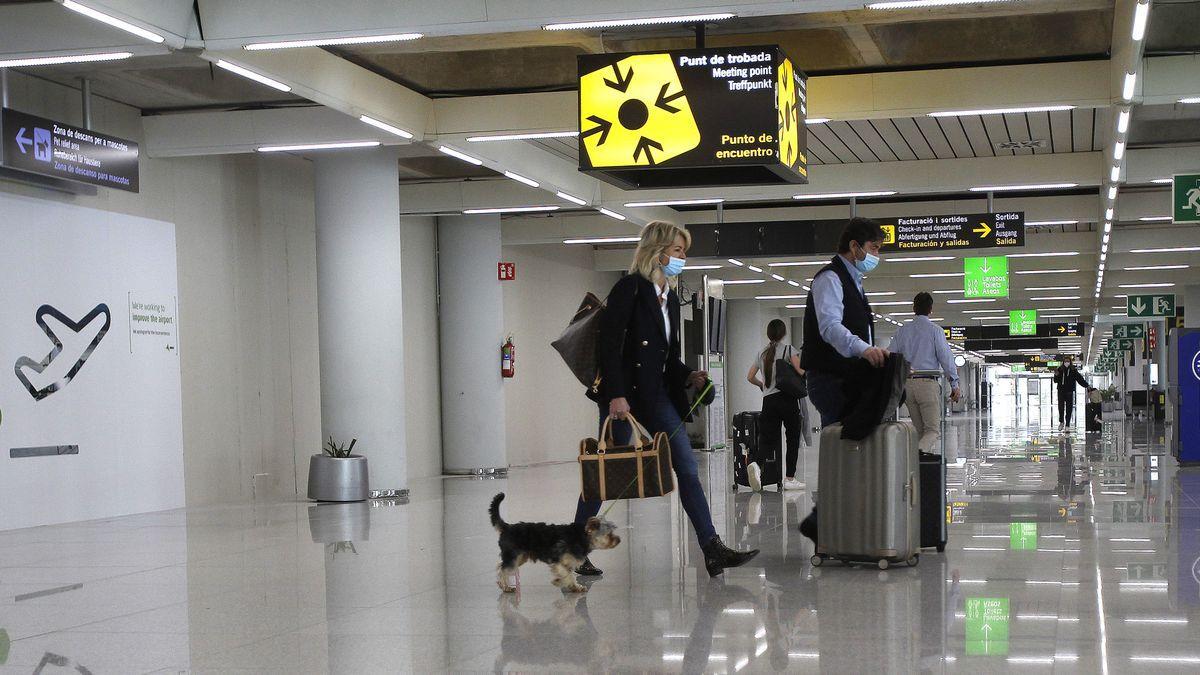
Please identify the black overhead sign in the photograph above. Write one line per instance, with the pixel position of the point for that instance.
(695, 117)
(1049, 344)
(1056, 330)
(778, 238)
(48, 148)
(932, 233)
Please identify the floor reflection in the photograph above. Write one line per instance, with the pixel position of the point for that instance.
(1073, 552)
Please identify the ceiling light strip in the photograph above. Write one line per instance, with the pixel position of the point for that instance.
(648, 21)
(56, 60)
(330, 42)
(113, 21)
(251, 75)
(379, 124)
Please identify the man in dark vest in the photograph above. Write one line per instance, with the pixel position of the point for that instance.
(838, 324)
(839, 327)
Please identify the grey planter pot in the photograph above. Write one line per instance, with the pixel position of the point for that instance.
(338, 479)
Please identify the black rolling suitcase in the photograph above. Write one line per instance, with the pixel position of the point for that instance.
(746, 447)
(1094, 413)
(933, 501)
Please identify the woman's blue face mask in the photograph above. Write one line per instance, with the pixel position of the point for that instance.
(674, 266)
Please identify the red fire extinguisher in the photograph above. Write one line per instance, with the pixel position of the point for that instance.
(508, 357)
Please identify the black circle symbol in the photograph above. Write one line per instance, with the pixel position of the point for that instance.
(633, 114)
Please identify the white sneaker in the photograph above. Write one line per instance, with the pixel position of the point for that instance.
(754, 475)
(792, 484)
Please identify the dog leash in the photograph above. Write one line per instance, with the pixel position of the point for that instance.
(699, 397)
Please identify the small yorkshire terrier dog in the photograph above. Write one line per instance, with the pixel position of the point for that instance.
(562, 547)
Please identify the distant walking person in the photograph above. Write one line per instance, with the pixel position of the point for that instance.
(778, 407)
(1066, 376)
(923, 344)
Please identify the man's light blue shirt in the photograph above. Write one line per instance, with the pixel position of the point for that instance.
(923, 344)
(827, 298)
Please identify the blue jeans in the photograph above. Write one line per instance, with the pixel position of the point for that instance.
(825, 391)
(665, 418)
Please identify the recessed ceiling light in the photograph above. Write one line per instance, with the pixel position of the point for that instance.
(910, 4)
(251, 75)
(1130, 85)
(1115, 175)
(522, 179)
(823, 120)
(608, 240)
(739, 263)
(1034, 186)
(1108, 214)
(793, 283)
(1112, 192)
(445, 149)
(319, 146)
(523, 137)
(798, 263)
(1123, 122)
(1046, 271)
(676, 202)
(512, 209)
(113, 21)
(1176, 249)
(1035, 223)
(873, 294)
(1118, 151)
(992, 310)
(845, 195)
(930, 275)
(964, 301)
(385, 126)
(952, 291)
(780, 297)
(1140, 14)
(1107, 226)
(1001, 111)
(890, 303)
(610, 214)
(1156, 219)
(1190, 99)
(776, 277)
(1150, 268)
(1041, 255)
(1054, 297)
(570, 198)
(1163, 181)
(330, 42)
(700, 267)
(745, 281)
(55, 60)
(1052, 288)
(648, 21)
(754, 268)
(1152, 285)
(926, 258)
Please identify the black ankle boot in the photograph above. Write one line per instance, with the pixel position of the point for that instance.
(718, 556)
(587, 569)
(808, 526)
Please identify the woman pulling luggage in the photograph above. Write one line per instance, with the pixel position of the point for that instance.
(638, 354)
(778, 407)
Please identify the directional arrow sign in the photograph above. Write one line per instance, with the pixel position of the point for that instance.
(1151, 305)
(1129, 330)
(23, 141)
(1120, 344)
(985, 277)
(983, 230)
(1022, 322)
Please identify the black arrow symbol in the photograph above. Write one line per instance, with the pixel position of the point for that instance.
(663, 100)
(602, 127)
(643, 145)
(622, 83)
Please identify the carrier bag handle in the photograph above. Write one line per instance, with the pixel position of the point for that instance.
(606, 437)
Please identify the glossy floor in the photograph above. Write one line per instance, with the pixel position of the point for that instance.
(1067, 554)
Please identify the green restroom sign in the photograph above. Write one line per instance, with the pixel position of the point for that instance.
(985, 277)
(1022, 536)
(1022, 322)
(987, 626)
(1186, 198)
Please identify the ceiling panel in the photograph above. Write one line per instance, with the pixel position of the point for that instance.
(836, 147)
(851, 140)
(878, 145)
(953, 129)
(1039, 130)
(913, 135)
(978, 136)
(1082, 121)
(935, 137)
(1060, 131)
(1018, 130)
(886, 129)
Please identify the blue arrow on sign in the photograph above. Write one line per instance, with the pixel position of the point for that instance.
(23, 141)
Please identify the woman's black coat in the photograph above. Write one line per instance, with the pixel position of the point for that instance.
(636, 360)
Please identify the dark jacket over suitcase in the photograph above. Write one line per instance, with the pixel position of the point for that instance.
(747, 448)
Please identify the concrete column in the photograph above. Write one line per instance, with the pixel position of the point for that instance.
(360, 309)
(1191, 302)
(472, 331)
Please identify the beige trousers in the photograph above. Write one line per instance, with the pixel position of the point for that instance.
(925, 406)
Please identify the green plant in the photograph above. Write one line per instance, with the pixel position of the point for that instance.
(334, 449)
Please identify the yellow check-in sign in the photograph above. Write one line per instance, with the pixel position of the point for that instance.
(635, 113)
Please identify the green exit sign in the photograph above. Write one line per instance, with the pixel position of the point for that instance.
(987, 626)
(985, 277)
(1186, 198)
(1022, 322)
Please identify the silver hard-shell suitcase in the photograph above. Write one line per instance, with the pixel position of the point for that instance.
(870, 496)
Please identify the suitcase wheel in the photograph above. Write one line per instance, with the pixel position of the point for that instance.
(816, 560)
(912, 562)
(941, 548)
(883, 563)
